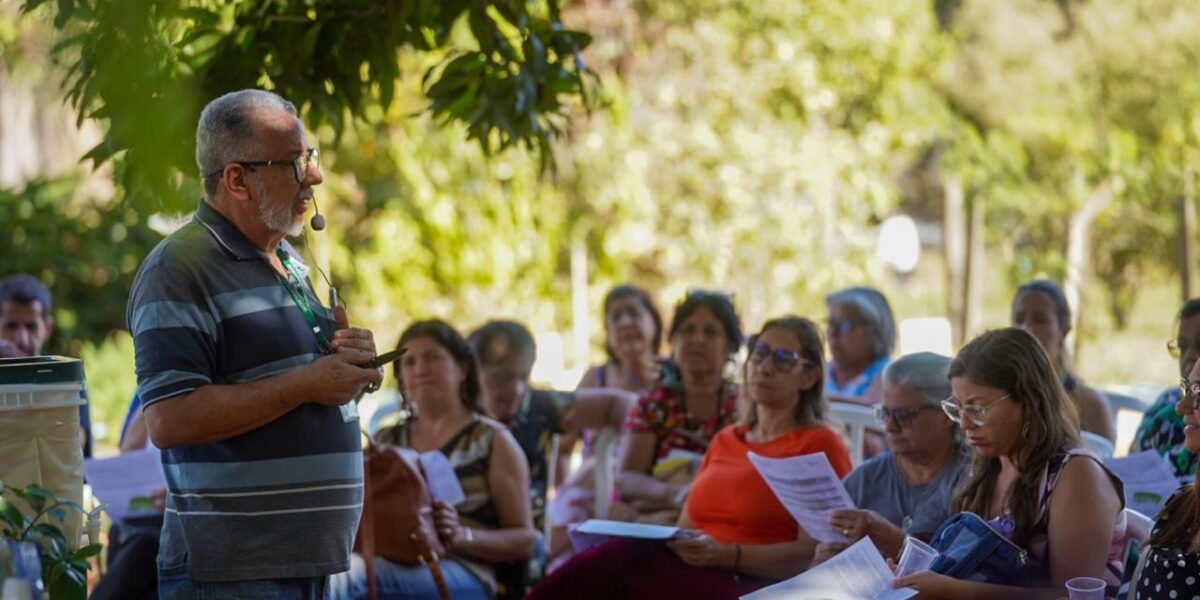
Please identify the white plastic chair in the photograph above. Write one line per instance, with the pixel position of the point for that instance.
(604, 476)
(1139, 522)
(1102, 446)
(858, 419)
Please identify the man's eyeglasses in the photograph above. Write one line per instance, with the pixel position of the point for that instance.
(785, 360)
(842, 326)
(1178, 346)
(975, 412)
(1189, 391)
(300, 165)
(903, 416)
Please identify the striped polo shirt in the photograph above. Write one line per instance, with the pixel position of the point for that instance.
(280, 501)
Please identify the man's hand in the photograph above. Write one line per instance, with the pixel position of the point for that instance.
(335, 380)
(356, 343)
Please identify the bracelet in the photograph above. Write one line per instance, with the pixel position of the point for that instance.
(468, 536)
(737, 556)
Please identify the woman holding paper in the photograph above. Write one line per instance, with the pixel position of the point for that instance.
(738, 535)
(439, 382)
(1065, 513)
(906, 490)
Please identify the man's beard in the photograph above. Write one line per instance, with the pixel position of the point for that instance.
(277, 216)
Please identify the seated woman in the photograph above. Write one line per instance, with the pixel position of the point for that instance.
(439, 378)
(1029, 480)
(906, 490)
(862, 336)
(1171, 564)
(743, 540)
(1041, 309)
(633, 331)
(1162, 427)
(690, 404)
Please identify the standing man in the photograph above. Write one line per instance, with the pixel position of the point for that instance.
(247, 381)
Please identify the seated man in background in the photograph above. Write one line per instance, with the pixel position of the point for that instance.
(506, 353)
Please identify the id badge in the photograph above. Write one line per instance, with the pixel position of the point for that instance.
(349, 411)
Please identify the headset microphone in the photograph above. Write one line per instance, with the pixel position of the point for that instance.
(318, 221)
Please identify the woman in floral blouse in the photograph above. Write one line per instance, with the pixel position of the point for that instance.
(1161, 429)
(691, 403)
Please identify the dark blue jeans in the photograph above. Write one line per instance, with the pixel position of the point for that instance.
(174, 584)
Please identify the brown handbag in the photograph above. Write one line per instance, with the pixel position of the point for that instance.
(397, 521)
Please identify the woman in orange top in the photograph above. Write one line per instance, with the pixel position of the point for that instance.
(746, 538)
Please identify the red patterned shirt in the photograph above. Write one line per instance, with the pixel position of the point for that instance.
(662, 412)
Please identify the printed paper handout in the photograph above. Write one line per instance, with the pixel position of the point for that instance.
(594, 531)
(125, 482)
(440, 477)
(1149, 480)
(856, 573)
(808, 488)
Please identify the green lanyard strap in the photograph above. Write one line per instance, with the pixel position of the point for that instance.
(295, 287)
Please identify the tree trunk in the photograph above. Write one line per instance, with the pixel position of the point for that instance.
(975, 267)
(1077, 260)
(1187, 237)
(954, 247)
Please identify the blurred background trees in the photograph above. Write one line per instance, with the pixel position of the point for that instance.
(491, 159)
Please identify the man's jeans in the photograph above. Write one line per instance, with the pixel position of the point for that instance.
(174, 584)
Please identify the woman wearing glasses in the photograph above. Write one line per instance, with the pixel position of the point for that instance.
(1170, 567)
(1162, 427)
(741, 535)
(1029, 480)
(862, 335)
(1041, 308)
(907, 490)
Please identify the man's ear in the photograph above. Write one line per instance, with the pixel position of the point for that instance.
(233, 179)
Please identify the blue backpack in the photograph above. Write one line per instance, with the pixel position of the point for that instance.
(972, 550)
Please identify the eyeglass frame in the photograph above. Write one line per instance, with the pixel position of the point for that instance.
(308, 158)
(949, 406)
(775, 357)
(884, 414)
(1189, 396)
(842, 328)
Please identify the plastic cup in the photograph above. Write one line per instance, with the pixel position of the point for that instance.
(1085, 588)
(915, 556)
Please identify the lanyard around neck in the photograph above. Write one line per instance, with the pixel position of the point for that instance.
(295, 288)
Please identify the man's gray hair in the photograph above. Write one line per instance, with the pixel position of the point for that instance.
(227, 131)
(873, 307)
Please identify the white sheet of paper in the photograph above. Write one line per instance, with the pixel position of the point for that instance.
(808, 488)
(121, 478)
(856, 573)
(594, 531)
(1149, 480)
(440, 477)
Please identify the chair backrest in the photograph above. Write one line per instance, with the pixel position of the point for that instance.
(857, 419)
(604, 475)
(1102, 446)
(1140, 523)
